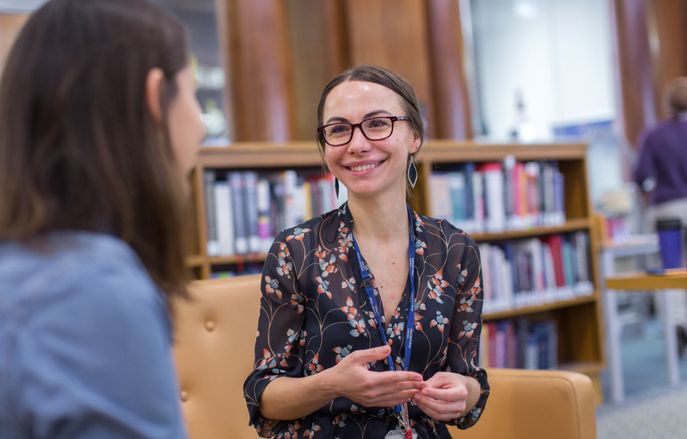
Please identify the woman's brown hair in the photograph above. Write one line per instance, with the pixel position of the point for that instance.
(79, 149)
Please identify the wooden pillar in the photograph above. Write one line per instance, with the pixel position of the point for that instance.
(668, 27)
(449, 83)
(636, 92)
(256, 57)
(319, 51)
(393, 34)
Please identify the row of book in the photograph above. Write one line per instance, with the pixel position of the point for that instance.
(236, 269)
(245, 210)
(519, 343)
(535, 271)
(498, 196)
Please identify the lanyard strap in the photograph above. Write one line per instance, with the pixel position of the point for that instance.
(366, 281)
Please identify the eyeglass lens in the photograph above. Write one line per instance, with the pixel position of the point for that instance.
(376, 128)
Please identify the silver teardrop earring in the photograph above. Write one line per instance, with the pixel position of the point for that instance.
(412, 172)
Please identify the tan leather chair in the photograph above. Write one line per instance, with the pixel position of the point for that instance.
(215, 335)
(536, 404)
(215, 338)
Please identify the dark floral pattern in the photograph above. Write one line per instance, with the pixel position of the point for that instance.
(313, 313)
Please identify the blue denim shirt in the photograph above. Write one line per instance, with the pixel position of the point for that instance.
(85, 346)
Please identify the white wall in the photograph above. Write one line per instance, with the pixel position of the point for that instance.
(559, 57)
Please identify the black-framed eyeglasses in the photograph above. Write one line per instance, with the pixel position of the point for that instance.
(374, 128)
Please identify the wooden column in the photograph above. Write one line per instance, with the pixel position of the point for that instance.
(668, 27)
(256, 57)
(319, 51)
(393, 34)
(636, 92)
(449, 83)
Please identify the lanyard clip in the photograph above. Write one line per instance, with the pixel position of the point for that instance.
(367, 282)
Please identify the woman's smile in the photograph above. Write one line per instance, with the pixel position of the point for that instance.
(362, 168)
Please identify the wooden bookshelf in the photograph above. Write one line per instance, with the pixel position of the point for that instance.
(540, 308)
(578, 318)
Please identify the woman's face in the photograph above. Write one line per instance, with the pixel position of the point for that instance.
(186, 127)
(369, 167)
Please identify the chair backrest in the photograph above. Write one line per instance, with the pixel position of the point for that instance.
(536, 404)
(215, 338)
(214, 348)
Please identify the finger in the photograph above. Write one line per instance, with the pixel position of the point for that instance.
(446, 394)
(442, 379)
(439, 410)
(369, 355)
(393, 399)
(400, 376)
(437, 379)
(439, 407)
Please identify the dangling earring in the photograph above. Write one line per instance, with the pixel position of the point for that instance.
(336, 187)
(412, 172)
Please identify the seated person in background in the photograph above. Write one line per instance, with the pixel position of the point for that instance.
(370, 314)
(99, 128)
(661, 171)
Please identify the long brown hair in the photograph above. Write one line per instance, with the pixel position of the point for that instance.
(79, 149)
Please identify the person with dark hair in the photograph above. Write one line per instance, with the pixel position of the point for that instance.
(661, 169)
(661, 172)
(99, 130)
(370, 314)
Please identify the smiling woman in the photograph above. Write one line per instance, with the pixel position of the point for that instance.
(370, 314)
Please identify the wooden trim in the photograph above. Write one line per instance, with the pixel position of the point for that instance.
(642, 282)
(446, 151)
(536, 309)
(569, 226)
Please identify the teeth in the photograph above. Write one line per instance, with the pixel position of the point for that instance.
(363, 167)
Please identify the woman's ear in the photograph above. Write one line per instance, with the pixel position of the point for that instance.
(417, 143)
(154, 83)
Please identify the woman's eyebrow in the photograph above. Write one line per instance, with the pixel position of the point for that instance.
(366, 116)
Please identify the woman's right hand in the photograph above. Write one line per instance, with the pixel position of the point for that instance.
(352, 379)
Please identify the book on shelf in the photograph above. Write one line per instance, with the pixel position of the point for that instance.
(519, 343)
(209, 195)
(238, 269)
(498, 196)
(246, 210)
(223, 218)
(535, 271)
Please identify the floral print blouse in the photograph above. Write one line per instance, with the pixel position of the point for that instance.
(313, 313)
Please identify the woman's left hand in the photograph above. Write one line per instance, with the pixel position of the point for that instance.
(445, 397)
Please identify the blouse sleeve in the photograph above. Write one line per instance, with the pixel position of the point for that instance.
(278, 347)
(466, 326)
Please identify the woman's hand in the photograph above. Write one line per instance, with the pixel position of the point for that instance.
(352, 379)
(447, 396)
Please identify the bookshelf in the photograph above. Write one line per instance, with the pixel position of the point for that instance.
(572, 313)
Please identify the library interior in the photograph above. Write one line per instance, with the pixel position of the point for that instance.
(543, 122)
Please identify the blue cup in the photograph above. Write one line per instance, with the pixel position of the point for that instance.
(670, 242)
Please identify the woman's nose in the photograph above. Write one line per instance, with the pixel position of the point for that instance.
(359, 143)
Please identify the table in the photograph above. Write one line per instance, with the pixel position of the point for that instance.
(671, 282)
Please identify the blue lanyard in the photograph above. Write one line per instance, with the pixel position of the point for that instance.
(366, 281)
